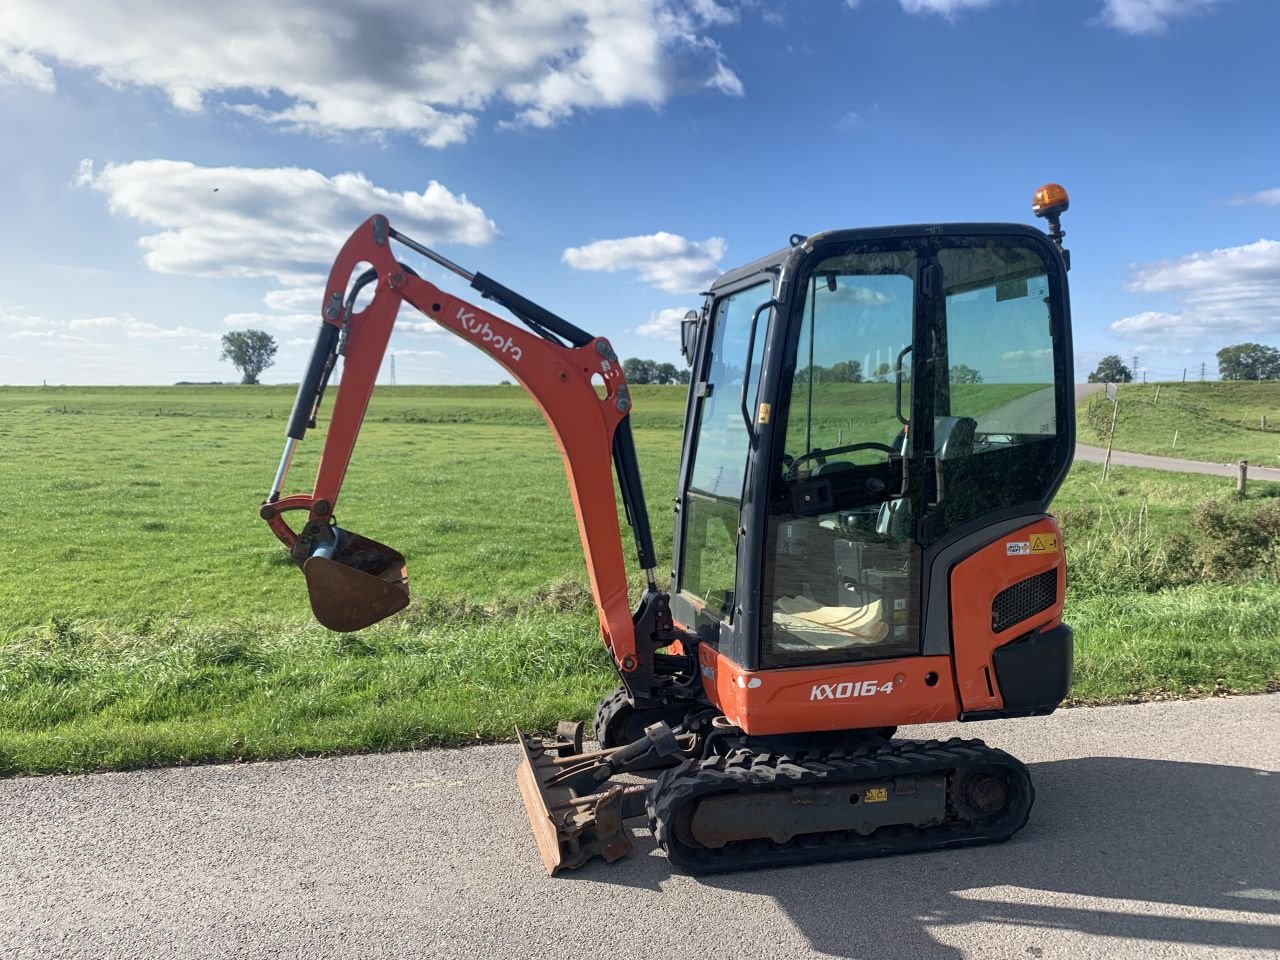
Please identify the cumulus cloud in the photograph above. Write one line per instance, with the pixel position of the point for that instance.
(285, 223)
(19, 68)
(283, 322)
(1267, 198)
(1231, 291)
(399, 66)
(664, 324)
(1149, 16)
(946, 8)
(136, 329)
(665, 260)
(12, 317)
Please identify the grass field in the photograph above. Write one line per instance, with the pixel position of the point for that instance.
(150, 617)
(1216, 421)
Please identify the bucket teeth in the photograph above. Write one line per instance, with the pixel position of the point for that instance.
(570, 829)
(364, 582)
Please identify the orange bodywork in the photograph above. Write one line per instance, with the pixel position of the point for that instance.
(975, 581)
(905, 690)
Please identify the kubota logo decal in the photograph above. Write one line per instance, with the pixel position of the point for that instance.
(483, 331)
(847, 691)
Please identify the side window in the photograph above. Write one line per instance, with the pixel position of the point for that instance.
(720, 456)
(996, 424)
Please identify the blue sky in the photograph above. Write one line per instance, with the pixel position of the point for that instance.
(609, 158)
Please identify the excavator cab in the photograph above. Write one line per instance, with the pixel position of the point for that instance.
(867, 408)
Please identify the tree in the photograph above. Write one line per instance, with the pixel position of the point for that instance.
(882, 373)
(845, 371)
(639, 371)
(1111, 369)
(1249, 361)
(963, 373)
(666, 373)
(250, 352)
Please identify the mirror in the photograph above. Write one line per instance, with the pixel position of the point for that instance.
(689, 335)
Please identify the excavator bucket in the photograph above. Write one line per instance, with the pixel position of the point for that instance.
(356, 584)
(570, 828)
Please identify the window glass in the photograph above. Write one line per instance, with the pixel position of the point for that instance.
(996, 423)
(843, 573)
(720, 456)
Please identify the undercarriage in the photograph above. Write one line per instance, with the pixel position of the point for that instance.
(726, 801)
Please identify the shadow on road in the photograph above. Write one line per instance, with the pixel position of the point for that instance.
(1185, 836)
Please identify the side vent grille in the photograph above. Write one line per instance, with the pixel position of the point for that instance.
(1024, 599)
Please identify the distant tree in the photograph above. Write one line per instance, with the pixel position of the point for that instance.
(1249, 361)
(882, 373)
(682, 376)
(1111, 369)
(250, 352)
(963, 373)
(666, 373)
(845, 371)
(639, 371)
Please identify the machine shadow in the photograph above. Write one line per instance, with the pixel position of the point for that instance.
(1182, 835)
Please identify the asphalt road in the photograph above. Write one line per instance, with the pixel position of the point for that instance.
(1156, 833)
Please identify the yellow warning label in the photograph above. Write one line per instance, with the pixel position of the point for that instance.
(762, 417)
(1044, 543)
(876, 795)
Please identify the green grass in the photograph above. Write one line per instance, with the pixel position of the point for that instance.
(150, 617)
(1219, 421)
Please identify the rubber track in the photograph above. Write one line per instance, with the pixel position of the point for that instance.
(743, 770)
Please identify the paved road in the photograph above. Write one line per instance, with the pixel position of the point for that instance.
(1122, 459)
(1156, 834)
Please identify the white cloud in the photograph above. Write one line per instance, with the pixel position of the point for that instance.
(398, 66)
(666, 260)
(14, 317)
(946, 8)
(297, 299)
(286, 322)
(1231, 291)
(282, 222)
(1149, 16)
(850, 121)
(1267, 198)
(48, 335)
(397, 352)
(136, 329)
(664, 324)
(20, 68)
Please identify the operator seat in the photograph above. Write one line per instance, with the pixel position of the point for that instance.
(952, 440)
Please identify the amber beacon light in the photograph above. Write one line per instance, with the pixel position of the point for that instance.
(1051, 202)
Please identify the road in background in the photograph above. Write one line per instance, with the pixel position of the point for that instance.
(1156, 833)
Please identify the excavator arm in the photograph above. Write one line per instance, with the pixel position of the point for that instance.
(354, 581)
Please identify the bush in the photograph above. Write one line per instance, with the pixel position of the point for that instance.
(1112, 551)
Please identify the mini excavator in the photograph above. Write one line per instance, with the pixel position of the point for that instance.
(876, 423)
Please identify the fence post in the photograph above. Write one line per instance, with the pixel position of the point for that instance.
(1243, 478)
(1111, 437)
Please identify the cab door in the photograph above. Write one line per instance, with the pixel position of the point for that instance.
(717, 444)
(841, 562)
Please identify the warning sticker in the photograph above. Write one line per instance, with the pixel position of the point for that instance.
(876, 795)
(1016, 549)
(1044, 543)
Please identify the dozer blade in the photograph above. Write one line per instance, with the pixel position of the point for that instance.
(569, 829)
(361, 583)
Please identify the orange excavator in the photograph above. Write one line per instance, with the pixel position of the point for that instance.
(876, 423)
